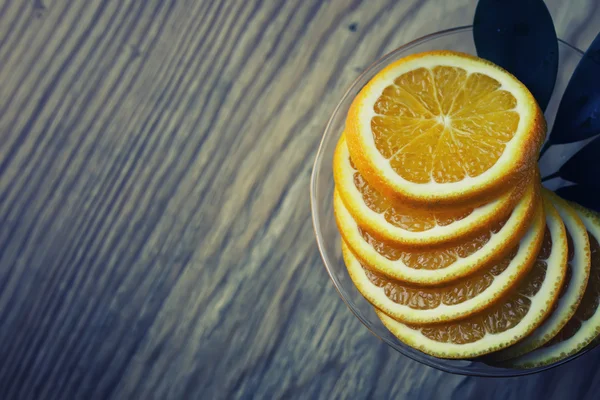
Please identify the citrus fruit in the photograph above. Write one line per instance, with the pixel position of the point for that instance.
(392, 221)
(508, 320)
(584, 327)
(437, 265)
(461, 298)
(578, 271)
(444, 127)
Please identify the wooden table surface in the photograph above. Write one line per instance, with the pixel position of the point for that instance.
(155, 231)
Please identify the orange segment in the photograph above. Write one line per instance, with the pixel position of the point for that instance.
(499, 125)
(448, 81)
(419, 84)
(435, 258)
(393, 133)
(476, 154)
(414, 161)
(423, 298)
(411, 219)
(493, 102)
(476, 86)
(448, 165)
(397, 102)
(498, 319)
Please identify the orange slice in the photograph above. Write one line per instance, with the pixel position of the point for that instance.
(578, 271)
(443, 127)
(437, 265)
(466, 296)
(584, 327)
(505, 322)
(391, 221)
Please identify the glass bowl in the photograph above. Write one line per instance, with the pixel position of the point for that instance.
(328, 238)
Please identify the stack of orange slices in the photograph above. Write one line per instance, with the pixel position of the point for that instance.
(446, 229)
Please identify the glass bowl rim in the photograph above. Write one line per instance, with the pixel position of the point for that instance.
(437, 363)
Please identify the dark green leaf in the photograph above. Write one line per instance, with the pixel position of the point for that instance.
(584, 166)
(519, 36)
(587, 196)
(578, 114)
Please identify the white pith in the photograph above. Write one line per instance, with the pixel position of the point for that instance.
(589, 330)
(567, 304)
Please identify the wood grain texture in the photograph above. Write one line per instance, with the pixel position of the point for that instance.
(155, 234)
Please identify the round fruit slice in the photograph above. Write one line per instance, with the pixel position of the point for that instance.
(444, 127)
(578, 272)
(505, 322)
(391, 221)
(584, 327)
(466, 296)
(429, 266)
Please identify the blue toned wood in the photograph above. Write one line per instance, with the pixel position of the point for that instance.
(155, 234)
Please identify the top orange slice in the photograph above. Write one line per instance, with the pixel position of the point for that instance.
(444, 128)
